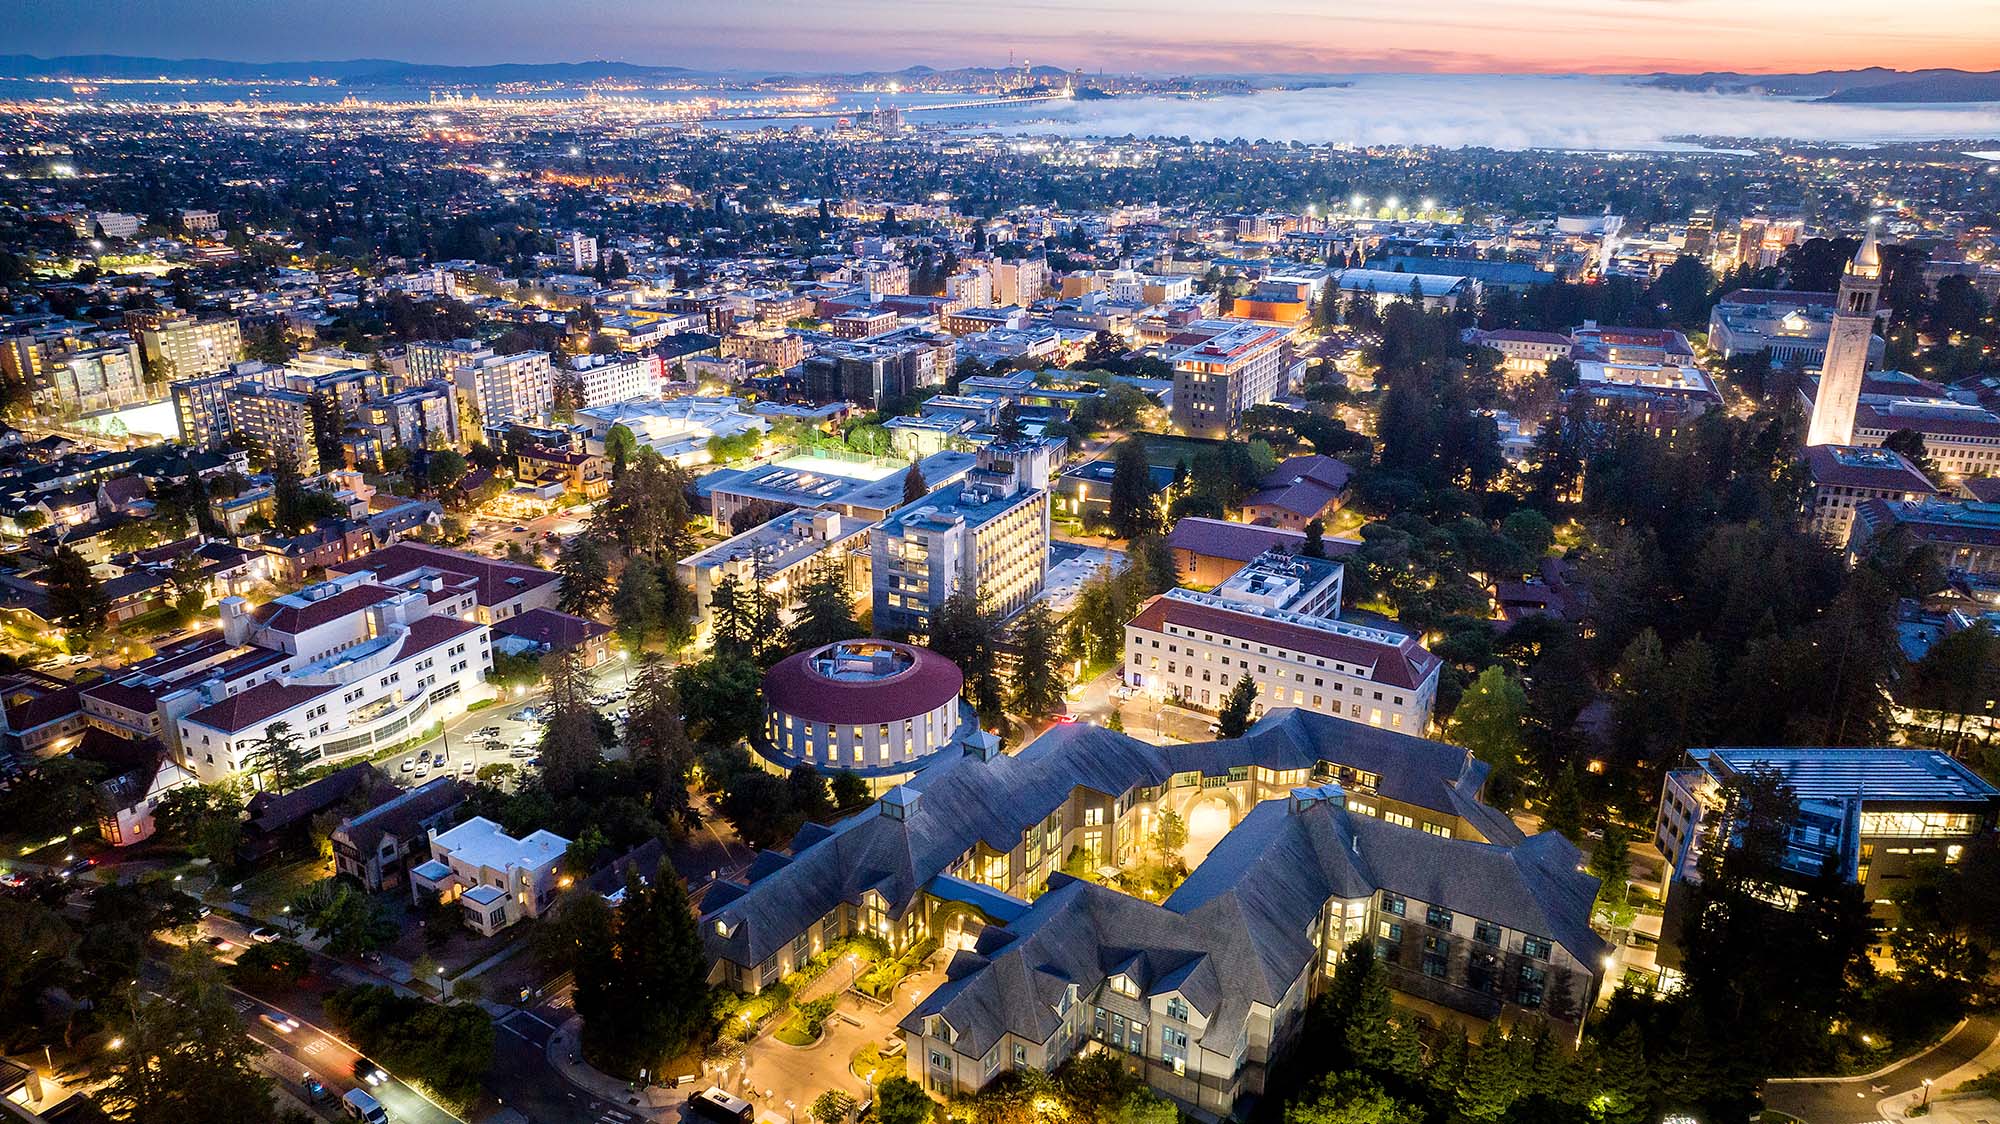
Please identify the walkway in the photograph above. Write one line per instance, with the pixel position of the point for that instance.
(1971, 1049)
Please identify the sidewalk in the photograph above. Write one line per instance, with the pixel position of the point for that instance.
(1968, 1108)
(654, 1102)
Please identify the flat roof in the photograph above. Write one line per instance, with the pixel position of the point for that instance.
(1872, 774)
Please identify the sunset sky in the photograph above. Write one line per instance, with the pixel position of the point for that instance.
(1153, 36)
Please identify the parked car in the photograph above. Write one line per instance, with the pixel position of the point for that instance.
(264, 934)
(361, 1105)
(409, 763)
(468, 769)
(424, 758)
(315, 1090)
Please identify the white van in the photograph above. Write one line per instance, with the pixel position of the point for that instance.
(362, 1105)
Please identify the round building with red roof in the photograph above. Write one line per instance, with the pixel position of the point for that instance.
(867, 706)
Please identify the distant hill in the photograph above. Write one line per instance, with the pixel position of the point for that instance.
(359, 72)
(1875, 84)
(960, 76)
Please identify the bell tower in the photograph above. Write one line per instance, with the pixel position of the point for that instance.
(1846, 362)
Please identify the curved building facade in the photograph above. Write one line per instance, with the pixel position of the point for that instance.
(873, 707)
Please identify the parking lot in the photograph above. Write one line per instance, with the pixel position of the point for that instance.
(505, 733)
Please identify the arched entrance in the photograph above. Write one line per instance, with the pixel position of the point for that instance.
(1209, 818)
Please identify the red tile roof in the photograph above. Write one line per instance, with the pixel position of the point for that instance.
(557, 632)
(250, 708)
(280, 617)
(1404, 665)
(392, 562)
(792, 686)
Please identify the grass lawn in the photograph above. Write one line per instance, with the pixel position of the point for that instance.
(269, 891)
(1168, 450)
(793, 1033)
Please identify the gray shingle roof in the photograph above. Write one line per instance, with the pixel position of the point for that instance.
(1236, 932)
(961, 800)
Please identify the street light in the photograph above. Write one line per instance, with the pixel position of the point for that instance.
(1926, 1102)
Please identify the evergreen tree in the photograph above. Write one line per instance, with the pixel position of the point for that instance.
(570, 747)
(1563, 810)
(185, 1059)
(1134, 512)
(1315, 544)
(1235, 715)
(968, 636)
(280, 757)
(636, 605)
(826, 608)
(1611, 865)
(914, 485)
(585, 577)
(1038, 674)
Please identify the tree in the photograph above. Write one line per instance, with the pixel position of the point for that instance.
(636, 606)
(205, 819)
(619, 445)
(1134, 512)
(1489, 717)
(347, 917)
(1038, 676)
(185, 1059)
(1610, 864)
(585, 577)
(570, 746)
(900, 1100)
(1563, 810)
(1234, 717)
(914, 485)
(968, 636)
(1315, 544)
(826, 607)
(445, 470)
(1170, 834)
(849, 790)
(1349, 1098)
(832, 1107)
(280, 756)
(76, 598)
(641, 976)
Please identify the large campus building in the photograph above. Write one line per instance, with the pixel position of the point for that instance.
(987, 536)
(875, 708)
(1220, 377)
(1272, 622)
(1869, 816)
(349, 666)
(1388, 842)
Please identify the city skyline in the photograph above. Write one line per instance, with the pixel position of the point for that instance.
(1458, 36)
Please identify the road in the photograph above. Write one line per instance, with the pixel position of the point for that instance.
(1854, 1100)
(311, 1049)
(291, 1054)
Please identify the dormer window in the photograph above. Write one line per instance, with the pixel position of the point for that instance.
(1125, 985)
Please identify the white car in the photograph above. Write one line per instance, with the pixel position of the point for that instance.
(467, 769)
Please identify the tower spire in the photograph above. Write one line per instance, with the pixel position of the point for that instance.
(1847, 340)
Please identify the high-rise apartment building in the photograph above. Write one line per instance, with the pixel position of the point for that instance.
(180, 348)
(988, 536)
(1219, 378)
(503, 389)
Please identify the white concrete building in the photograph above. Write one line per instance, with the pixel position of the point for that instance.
(1192, 647)
(495, 878)
(602, 380)
(349, 665)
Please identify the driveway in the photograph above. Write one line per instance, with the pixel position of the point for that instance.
(1854, 1100)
